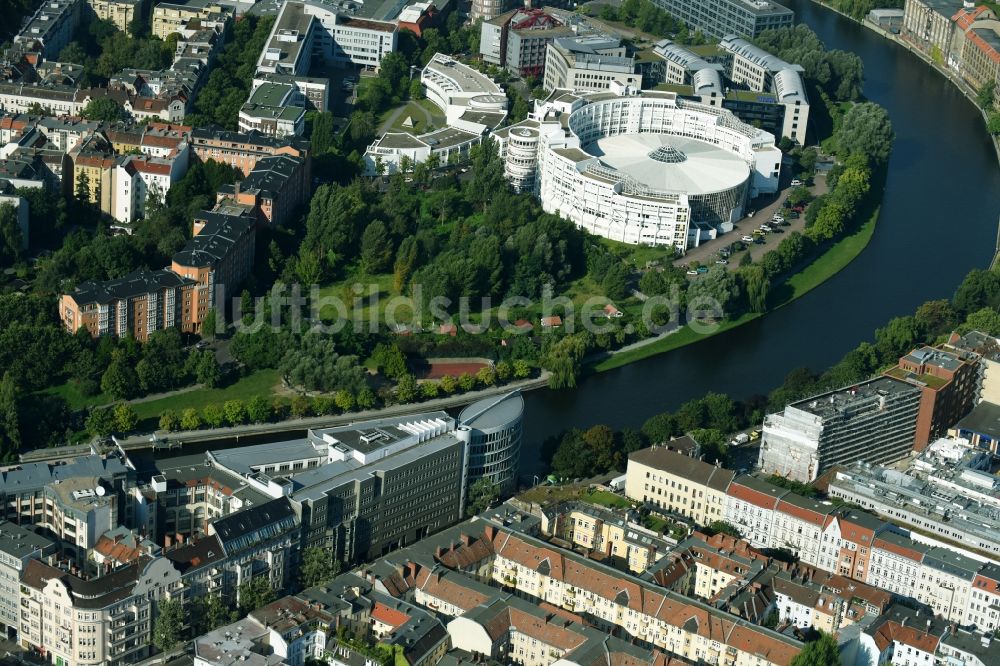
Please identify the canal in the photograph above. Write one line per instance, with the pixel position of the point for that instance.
(938, 221)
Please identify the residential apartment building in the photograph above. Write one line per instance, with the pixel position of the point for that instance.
(487, 10)
(944, 581)
(949, 382)
(106, 620)
(138, 179)
(51, 27)
(751, 506)
(984, 599)
(119, 12)
(987, 348)
(673, 483)
(605, 534)
(895, 563)
(588, 64)
(139, 303)
(900, 637)
(976, 45)
(217, 259)
(274, 190)
(169, 18)
(928, 25)
(809, 599)
(874, 421)
(244, 150)
(746, 18)
(18, 546)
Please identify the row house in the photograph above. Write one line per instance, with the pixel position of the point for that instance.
(138, 179)
(809, 599)
(751, 507)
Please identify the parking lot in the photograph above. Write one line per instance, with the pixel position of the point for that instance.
(708, 252)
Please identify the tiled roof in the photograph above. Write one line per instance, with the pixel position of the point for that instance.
(390, 616)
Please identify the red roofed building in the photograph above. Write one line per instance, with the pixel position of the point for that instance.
(418, 17)
(977, 45)
(751, 508)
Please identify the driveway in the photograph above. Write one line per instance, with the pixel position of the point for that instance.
(707, 252)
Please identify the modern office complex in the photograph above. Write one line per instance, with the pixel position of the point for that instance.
(517, 40)
(718, 18)
(495, 449)
(874, 421)
(640, 167)
(588, 64)
(472, 105)
(761, 89)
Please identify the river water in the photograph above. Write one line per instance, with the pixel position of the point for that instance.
(938, 221)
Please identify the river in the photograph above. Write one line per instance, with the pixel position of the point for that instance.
(938, 221)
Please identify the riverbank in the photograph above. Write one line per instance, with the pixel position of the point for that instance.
(823, 267)
(956, 80)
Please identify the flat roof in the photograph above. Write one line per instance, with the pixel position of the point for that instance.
(493, 412)
(827, 404)
(463, 79)
(671, 163)
(984, 419)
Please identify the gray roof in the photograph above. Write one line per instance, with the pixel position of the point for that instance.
(215, 240)
(20, 542)
(34, 476)
(134, 284)
(983, 420)
(252, 525)
(494, 412)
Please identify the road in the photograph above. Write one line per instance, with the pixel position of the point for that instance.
(707, 252)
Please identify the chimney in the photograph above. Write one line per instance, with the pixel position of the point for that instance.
(466, 540)
(438, 552)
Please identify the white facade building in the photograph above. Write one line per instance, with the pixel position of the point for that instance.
(643, 168)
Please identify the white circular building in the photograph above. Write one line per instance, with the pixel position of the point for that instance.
(640, 168)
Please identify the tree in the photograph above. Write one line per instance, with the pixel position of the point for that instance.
(993, 124)
(102, 108)
(10, 426)
(213, 416)
(120, 380)
(301, 407)
(168, 630)
(235, 412)
(821, 652)
(391, 361)
(190, 419)
(376, 248)
(209, 612)
(318, 566)
(208, 324)
(169, 420)
(985, 95)
(10, 236)
(344, 400)
(406, 389)
(322, 133)
(125, 417)
(757, 286)
(482, 493)
(722, 527)
(259, 409)
(255, 593)
(865, 129)
(207, 370)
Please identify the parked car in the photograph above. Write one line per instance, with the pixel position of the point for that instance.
(778, 230)
(794, 215)
(722, 261)
(778, 218)
(703, 269)
(760, 240)
(747, 239)
(796, 182)
(765, 228)
(692, 272)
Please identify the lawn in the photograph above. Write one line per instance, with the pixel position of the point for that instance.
(419, 110)
(604, 498)
(70, 392)
(260, 383)
(830, 262)
(814, 274)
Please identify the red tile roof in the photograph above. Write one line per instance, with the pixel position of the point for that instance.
(389, 616)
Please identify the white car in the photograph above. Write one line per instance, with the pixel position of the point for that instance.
(796, 183)
(765, 228)
(747, 239)
(692, 272)
(779, 219)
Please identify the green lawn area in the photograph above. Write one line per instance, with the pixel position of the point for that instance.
(819, 271)
(830, 262)
(656, 523)
(260, 383)
(604, 498)
(638, 255)
(70, 392)
(419, 110)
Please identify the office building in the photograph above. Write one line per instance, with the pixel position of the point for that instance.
(764, 83)
(495, 448)
(981, 427)
(949, 382)
(987, 348)
(874, 421)
(274, 109)
(680, 173)
(472, 103)
(181, 18)
(517, 40)
(588, 64)
(747, 18)
(487, 10)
